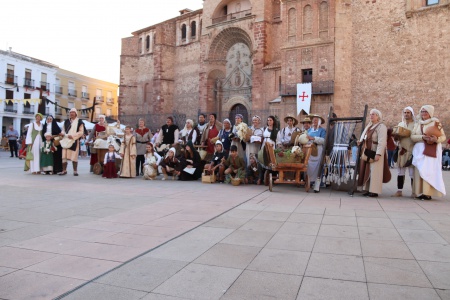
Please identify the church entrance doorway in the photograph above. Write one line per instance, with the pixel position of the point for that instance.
(239, 109)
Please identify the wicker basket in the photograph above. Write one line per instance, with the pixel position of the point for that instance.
(208, 178)
(235, 181)
(401, 131)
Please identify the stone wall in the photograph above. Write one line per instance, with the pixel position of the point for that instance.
(400, 58)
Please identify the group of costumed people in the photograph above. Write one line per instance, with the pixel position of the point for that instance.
(419, 153)
(49, 147)
(233, 150)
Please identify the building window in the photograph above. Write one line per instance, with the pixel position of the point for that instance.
(432, 2)
(307, 75)
(72, 91)
(108, 112)
(10, 74)
(83, 111)
(292, 22)
(147, 42)
(193, 29)
(183, 32)
(140, 45)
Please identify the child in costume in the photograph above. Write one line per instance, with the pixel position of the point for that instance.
(152, 160)
(47, 155)
(109, 163)
(252, 172)
(235, 165)
(216, 164)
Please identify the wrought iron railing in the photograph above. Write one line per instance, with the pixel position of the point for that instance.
(99, 99)
(10, 79)
(72, 92)
(110, 101)
(28, 83)
(232, 16)
(84, 95)
(45, 86)
(10, 108)
(28, 110)
(324, 87)
(58, 89)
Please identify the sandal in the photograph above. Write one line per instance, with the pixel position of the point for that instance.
(62, 173)
(75, 173)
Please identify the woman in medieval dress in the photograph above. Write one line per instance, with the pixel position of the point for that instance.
(34, 143)
(128, 154)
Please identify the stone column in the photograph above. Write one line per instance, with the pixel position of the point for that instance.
(17, 123)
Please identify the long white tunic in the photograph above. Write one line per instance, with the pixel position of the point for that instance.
(35, 164)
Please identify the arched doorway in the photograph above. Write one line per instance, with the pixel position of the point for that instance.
(239, 109)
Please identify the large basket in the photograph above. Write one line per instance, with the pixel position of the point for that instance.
(401, 131)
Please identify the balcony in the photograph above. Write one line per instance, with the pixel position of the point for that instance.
(84, 95)
(58, 89)
(325, 87)
(110, 101)
(72, 93)
(10, 79)
(99, 99)
(10, 108)
(233, 16)
(28, 110)
(44, 86)
(28, 83)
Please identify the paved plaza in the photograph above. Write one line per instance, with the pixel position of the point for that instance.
(87, 237)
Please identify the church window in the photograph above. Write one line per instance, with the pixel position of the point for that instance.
(432, 2)
(307, 75)
(276, 9)
(193, 29)
(225, 10)
(183, 32)
(147, 42)
(323, 16)
(307, 19)
(292, 22)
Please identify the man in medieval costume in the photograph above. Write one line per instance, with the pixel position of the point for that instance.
(72, 131)
(405, 147)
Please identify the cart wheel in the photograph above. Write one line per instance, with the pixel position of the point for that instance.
(270, 182)
(98, 169)
(307, 183)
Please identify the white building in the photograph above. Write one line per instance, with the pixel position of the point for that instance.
(24, 78)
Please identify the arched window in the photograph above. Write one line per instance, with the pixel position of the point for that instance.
(307, 21)
(193, 29)
(147, 42)
(276, 9)
(292, 22)
(183, 31)
(323, 16)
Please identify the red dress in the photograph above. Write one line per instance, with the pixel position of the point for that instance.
(109, 166)
(97, 128)
(212, 133)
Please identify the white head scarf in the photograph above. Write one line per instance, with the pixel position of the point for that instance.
(430, 110)
(412, 112)
(217, 143)
(227, 120)
(173, 150)
(380, 116)
(185, 130)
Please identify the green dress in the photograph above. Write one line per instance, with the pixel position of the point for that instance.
(47, 156)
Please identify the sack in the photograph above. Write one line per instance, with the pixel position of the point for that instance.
(30, 155)
(395, 155)
(430, 150)
(368, 155)
(408, 163)
(56, 141)
(66, 143)
(202, 154)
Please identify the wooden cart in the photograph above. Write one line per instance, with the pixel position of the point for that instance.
(282, 168)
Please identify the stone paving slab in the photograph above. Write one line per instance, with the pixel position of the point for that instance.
(165, 240)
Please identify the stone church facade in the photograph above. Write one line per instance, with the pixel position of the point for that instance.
(247, 56)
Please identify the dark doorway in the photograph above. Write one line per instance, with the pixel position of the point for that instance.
(239, 109)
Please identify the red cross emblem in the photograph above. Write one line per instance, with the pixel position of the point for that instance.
(303, 96)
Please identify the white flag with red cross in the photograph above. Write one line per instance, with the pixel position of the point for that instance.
(304, 96)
